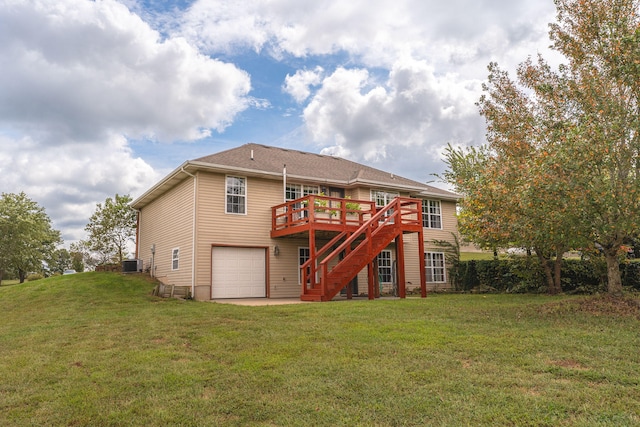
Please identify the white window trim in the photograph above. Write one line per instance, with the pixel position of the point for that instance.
(175, 258)
(427, 219)
(432, 268)
(302, 190)
(390, 266)
(226, 207)
(388, 196)
(300, 248)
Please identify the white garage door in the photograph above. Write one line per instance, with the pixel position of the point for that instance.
(238, 273)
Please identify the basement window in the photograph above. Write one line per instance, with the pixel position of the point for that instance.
(175, 258)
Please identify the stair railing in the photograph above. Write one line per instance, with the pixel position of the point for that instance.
(308, 270)
(388, 216)
(396, 216)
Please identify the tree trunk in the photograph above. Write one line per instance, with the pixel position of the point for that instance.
(22, 275)
(547, 272)
(557, 270)
(614, 279)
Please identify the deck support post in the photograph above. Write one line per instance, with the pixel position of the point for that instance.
(402, 286)
(423, 273)
(372, 285)
(312, 256)
(347, 251)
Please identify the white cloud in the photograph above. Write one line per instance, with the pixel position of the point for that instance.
(69, 179)
(79, 69)
(298, 85)
(375, 31)
(414, 109)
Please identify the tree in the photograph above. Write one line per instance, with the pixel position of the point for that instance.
(77, 261)
(60, 261)
(602, 41)
(111, 228)
(83, 255)
(26, 235)
(562, 164)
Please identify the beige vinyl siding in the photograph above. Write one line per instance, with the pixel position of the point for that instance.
(167, 223)
(216, 228)
(361, 193)
(449, 225)
(284, 268)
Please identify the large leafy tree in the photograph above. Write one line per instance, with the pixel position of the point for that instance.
(561, 165)
(111, 228)
(26, 235)
(602, 41)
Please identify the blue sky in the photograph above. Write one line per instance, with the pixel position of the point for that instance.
(106, 97)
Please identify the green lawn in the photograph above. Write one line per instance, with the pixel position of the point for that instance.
(475, 256)
(96, 349)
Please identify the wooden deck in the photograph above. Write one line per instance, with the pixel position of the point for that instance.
(359, 232)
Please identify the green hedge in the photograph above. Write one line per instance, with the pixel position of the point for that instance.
(525, 275)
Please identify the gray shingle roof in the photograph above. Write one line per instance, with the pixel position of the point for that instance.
(314, 167)
(269, 162)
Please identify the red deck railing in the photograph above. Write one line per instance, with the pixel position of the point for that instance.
(321, 212)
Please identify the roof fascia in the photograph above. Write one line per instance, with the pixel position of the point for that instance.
(150, 192)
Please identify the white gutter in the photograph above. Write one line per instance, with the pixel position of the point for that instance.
(193, 235)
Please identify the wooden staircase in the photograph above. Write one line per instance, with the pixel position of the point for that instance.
(323, 276)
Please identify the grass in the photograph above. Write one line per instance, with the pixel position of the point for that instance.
(475, 256)
(97, 349)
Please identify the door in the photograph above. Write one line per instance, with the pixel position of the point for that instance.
(238, 272)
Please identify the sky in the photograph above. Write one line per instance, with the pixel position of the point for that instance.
(104, 97)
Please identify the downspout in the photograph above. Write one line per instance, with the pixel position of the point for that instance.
(284, 183)
(193, 235)
(137, 232)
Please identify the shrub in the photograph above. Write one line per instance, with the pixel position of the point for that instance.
(34, 276)
(525, 275)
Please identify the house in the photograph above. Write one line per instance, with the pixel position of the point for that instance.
(261, 221)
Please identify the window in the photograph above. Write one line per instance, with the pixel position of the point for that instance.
(175, 258)
(382, 198)
(236, 202)
(431, 214)
(303, 256)
(295, 191)
(384, 267)
(434, 265)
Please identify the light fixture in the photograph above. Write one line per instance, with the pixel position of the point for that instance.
(276, 250)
